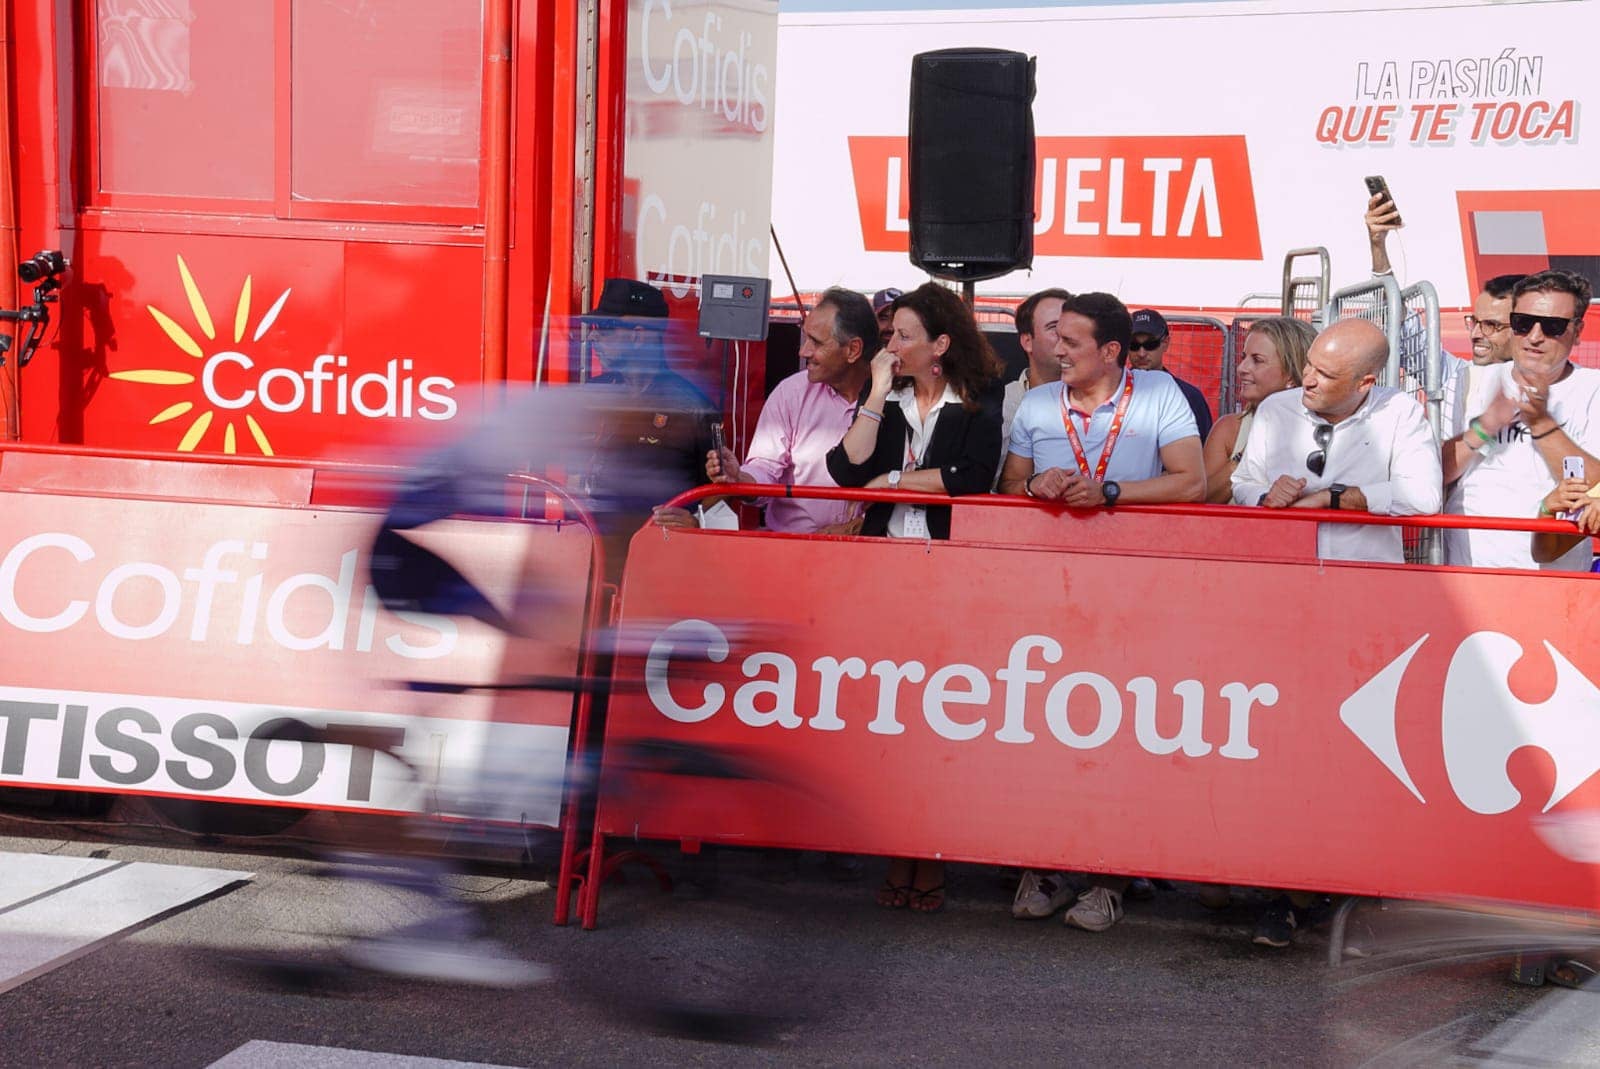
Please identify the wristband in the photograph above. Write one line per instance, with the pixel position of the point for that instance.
(1027, 487)
(870, 414)
(1546, 434)
(1476, 426)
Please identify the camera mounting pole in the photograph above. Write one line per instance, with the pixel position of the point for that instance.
(36, 316)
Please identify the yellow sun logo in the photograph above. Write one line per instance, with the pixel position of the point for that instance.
(201, 424)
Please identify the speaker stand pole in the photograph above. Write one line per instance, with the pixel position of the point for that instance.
(969, 293)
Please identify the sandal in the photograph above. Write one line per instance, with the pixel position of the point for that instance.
(929, 901)
(894, 896)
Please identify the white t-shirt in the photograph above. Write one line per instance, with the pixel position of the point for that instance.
(1464, 384)
(1511, 477)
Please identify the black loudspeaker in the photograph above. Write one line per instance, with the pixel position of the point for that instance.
(971, 162)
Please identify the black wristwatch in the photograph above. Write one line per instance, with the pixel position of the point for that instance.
(1335, 492)
(1112, 492)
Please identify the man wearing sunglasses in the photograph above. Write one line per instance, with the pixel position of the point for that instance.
(1148, 352)
(1533, 413)
(1343, 442)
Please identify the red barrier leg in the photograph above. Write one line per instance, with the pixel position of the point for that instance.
(589, 903)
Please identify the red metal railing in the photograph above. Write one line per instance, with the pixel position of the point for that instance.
(906, 497)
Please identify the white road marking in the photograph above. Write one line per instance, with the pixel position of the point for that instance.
(56, 909)
(260, 1054)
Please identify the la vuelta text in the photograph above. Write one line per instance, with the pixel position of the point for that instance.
(769, 697)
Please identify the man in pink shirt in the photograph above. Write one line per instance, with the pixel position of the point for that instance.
(807, 414)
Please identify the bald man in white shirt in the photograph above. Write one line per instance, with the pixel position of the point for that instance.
(1343, 442)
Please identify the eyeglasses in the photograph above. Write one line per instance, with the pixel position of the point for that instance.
(1488, 326)
(1319, 456)
(1140, 346)
(1553, 326)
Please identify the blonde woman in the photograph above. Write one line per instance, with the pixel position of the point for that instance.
(1273, 359)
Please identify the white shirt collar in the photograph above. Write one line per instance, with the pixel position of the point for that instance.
(908, 395)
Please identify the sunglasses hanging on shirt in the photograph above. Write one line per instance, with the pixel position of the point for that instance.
(1318, 460)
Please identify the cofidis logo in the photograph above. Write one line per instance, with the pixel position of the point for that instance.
(233, 389)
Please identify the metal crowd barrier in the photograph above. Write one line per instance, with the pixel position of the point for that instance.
(1305, 295)
(1409, 318)
(166, 511)
(1422, 372)
(1377, 299)
(973, 720)
(1202, 353)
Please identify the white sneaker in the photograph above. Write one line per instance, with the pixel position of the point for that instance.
(1097, 909)
(483, 962)
(1039, 896)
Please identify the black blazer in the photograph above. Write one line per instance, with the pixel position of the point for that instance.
(965, 448)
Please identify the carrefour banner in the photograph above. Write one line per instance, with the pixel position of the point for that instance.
(1183, 149)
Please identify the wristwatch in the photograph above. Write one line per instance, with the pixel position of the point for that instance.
(1335, 492)
(1112, 491)
(894, 479)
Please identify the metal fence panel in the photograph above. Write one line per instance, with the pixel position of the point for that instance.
(1377, 299)
(1202, 354)
(1304, 295)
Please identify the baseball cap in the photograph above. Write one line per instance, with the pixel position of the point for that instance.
(884, 297)
(627, 298)
(1149, 321)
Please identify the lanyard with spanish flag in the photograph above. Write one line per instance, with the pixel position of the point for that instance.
(1111, 436)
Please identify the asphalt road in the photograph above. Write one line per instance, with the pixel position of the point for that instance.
(799, 972)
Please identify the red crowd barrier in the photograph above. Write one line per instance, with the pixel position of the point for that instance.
(161, 619)
(1142, 690)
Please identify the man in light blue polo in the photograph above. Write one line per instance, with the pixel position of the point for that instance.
(1104, 434)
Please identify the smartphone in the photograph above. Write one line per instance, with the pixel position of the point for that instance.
(716, 438)
(1377, 186)
(1571, 468)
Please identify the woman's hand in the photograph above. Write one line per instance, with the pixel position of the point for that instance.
(884, 368)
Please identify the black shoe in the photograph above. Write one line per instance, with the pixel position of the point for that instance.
(1141, 889)
(1276, 925)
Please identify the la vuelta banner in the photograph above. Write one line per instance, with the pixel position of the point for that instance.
(1209, 719)
(1183, 149)
(167, 647)
(1187, 197)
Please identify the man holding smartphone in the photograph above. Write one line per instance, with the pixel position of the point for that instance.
(1488, 327)
(807, 414)
(1535, 412)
